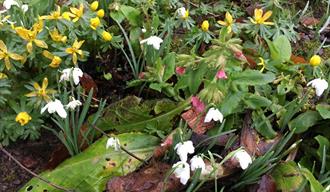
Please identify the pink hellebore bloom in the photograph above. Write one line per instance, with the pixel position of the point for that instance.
(197, 103)
(180, 70)
(221, 74)
(240, 56)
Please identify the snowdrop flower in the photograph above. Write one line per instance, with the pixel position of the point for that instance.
(154, 41)
(213, 114)
(197, 162)
(182, 149)
(320, 85)
(182, 171)
(73, 104)
(114, 143)
(8, 3)
(243, 158)
(76, 74)
(183, 13)
(55, 106)
(143, 30)
(25, 8)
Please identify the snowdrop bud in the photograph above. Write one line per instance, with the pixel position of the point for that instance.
(197, 162)
(320, 85)
(183, 149)
(8, 3)
(25, 8)
(182, 171)
(154, 41)
(73, 104)
(114, 143)
(243, 158)
(213, 114)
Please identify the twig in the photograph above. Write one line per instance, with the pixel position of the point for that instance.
(121, 147)
(92, 97)
(32, 173)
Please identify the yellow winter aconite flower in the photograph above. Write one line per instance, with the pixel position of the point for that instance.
(6, 56)
(94, 5)
(262, 64)
(3, 76)
(56, 60)
(57, 37)
(205, 25)
(315, 60)
(41, 92)
(76, 13)
(228, 22)
(106, 36)
(100, 13)
(260, 17)
(23, 118)
(66, 15)
(95, 22)
(74, 50)
(55, 15)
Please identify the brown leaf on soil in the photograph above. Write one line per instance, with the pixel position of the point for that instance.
(195, 121)
(58, 156)
(309, 21)
(298, 59)
(161, 150)
(147, 179)
(266, 184)
(87, 82)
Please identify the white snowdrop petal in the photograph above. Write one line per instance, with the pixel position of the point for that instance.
(320, 85)
(182, 171)
(183, 149)
(213, 114)
(197, 162)
(243, 158)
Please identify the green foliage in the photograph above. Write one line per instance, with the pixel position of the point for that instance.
(287, 176)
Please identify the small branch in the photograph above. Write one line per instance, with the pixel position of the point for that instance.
(121, 147)
(92, 97)
(32, 173)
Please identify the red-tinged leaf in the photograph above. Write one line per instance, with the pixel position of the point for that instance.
(195, 121)
(251, 61)
(88, 83)
(297, 59)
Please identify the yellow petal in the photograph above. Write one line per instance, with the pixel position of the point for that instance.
(229, 29)
(29, 47)
(253, 21)
(41, 43)
(267, 15)
(75, 19)
(22, 32)
(44, 84)
(3, 76)
(55, 62)
(79, 44)
(36, 86)
(80, 52)
(229, 18)
(15, 56)
(69, 50)
(223, 23)
(258, 13)
(7, 63)
(268, 23)
(31, 94)
(3, 46)
(75, 58)
(47, 54)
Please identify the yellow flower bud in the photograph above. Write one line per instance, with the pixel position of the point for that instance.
(94, 5)
(100, 13)
(106, 36)
(55, 62)
(205, 26)
(95, 22)
(315, 60)
(23, 118)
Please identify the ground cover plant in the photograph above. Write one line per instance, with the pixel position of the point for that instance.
(166, 95)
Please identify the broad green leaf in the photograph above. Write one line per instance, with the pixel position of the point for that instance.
(254, 101)
(90, 170)
(132, 14)
(287, 177)
(131, 114)
(304, 121)
(283, 45)
(117, 16)
(194, 78)
(262, 124)
(252, 77)
(324, 143)
(315, 185)
(231, 103)
(324, 110)
(169, 62)
(274, 52)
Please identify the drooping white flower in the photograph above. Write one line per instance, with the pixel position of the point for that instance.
(154, 41)
(182, 12)
(55, 106)
(73, 104)
(144, 30)
(243, 158)
(213, 114)
(114, 143)
(8, 3)
(182, 171)
(182, 149)
(197, 162)
(25, 8)
(76, 73)
(320, 85)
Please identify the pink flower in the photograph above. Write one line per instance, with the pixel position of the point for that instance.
(198, 104)
(180, 70)
(141, 75)
(240, 56)
(221, 74)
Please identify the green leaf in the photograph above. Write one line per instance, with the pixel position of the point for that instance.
(252, 77)
(132, 14)
(287, 177)
(283, 45)
(130, 114)
(315, 185)
(256, 101)
(231, 103)
(169, 62)
(117, 16)
(262, 124)
(274, 52)
(304, 121)
(90, 170)
(323, 143)
(324, 110)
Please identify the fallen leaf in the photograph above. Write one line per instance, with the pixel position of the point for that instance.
(87, 82)
(309, 21)
(297, 59)
(195, 121)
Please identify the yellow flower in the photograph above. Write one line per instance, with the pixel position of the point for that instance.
(100, 13)
(228, 22)
(56, 60)
(3, 76)
(95, 22)
(31, 36)
(4, 54)
(23, 118)
(205, 26)
(262, 63)
(57, 37)
(260, 18)
(66, 15)
(106, 36)
(38, 26)
(76, 13)
(55, 15)
(315, 60)
(94, 5)
(74, 50)
(41, 92)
